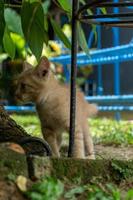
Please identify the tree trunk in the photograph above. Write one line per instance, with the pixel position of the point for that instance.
(10, 131)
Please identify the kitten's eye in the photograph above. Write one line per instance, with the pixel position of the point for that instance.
(44, 72)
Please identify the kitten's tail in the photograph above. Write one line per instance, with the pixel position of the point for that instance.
(92, 109)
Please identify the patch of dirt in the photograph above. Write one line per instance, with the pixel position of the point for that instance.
(108, 152)
(9, 191)
(114, 152)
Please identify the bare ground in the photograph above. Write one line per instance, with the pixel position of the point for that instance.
(114, 152)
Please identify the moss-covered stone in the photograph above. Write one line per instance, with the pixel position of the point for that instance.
(86, 170)
(72, 169)
(12, 162)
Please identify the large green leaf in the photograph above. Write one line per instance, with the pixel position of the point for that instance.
(2, 21)
(46, 5)
(82, 40)
(60, 33)
(13, 21)
(32, 17)
(66, 5)
(9, 45)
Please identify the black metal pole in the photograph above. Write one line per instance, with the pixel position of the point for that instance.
(124, 23)
(73, 77)
(113, 4)
(111, 15)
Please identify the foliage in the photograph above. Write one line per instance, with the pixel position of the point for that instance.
(2, 20)
(106, 192)
(51, 188)
(32, 19)
(105, 131)
(31, 23)
(48, 189)
(29, 122)
(112, 132)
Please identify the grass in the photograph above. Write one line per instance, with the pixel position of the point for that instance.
(29, 122)
(104, 131)
(107, 131)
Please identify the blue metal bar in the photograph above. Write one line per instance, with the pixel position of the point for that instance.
(90, 40)
(115, 108)
(116, 64)
(101, 108)
(99, 81)
(110, 55)
(20, 108)
(67, 73)
(110, 98)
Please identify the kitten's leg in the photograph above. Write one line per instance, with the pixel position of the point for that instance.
(50, 137)
(89, 147)
(78, 151)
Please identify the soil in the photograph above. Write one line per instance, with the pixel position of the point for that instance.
(114, 152)
(9, 191)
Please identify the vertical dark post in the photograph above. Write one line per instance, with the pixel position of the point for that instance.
(116, 64)
(73, 77)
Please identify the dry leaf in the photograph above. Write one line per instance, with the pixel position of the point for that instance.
(21, 182)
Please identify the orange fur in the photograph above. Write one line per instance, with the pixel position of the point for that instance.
(52, 100)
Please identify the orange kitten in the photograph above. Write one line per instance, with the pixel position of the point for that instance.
(52, 100)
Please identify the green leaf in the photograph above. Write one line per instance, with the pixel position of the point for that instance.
(32, 1)
(9, 45)
(71, 193)
(46, 5)
(88, 10)
(129, 195)
(60, 33)
(103, 10)
(2, 21)
(45, 23)
(82, 40)
(13, 21)
(66, 5)
(32, 18)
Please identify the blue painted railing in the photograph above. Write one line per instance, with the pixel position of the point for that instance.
(31, 109)
(110, 55)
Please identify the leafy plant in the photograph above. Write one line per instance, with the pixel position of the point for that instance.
(48, 189)
(71, 194)
(104, 192)
(32, 25)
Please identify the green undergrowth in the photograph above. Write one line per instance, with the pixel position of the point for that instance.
(104, 131)
(53, 189)
(107, 131)
(29, 122)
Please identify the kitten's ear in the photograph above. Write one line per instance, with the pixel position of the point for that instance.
(43, 67)
(26, 66)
